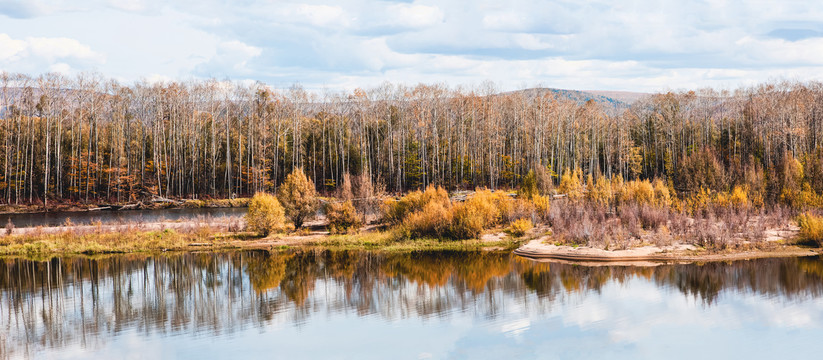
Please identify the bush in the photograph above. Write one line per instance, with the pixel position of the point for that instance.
(434, 220)
(488, 206)
(811, 227)
(396, 211)
(571, 184)
(739, 199)
(344, 191)
(545, 185)
(600, 192)
(662, 196)
(542, 206)
(298, 197)
(528, 188)
(265, 214)
(467, 221)
(343, 217)
(519, 227)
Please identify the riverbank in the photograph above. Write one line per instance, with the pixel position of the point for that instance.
(148, 204)
(218, 236)
(542, 248)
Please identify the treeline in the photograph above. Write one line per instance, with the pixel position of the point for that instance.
(88, 138)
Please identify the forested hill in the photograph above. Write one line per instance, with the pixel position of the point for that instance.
(619, 100)
(105, 140)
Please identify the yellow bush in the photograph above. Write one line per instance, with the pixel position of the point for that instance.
(699, 201)
(739, 197)
(571, 184)
(343, 217)
(600, 192)
(662, 197)
(488, 205)
(637, 191)
(811, 227)
(528, 188)
(265, 214)
(520, 227)
(466, 222)
(395, 211)
(434, 220)
(542, 206)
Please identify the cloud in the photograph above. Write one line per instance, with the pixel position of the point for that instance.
(231, 59)
(53, 54)
(637, 45)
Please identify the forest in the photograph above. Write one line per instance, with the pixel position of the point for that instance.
(87, 138)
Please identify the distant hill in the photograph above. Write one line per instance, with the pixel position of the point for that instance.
(616, 100)
(624, 96)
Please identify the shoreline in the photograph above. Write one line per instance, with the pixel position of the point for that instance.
(71, 207)
(186, 236)
(538, 250)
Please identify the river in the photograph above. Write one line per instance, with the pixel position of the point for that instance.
(439, 305)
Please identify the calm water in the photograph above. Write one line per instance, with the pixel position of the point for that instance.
(114, 217)
(328, 305)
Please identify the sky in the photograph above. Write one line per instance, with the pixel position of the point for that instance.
(632, 45)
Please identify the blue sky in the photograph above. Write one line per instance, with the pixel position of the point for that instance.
(639, 45)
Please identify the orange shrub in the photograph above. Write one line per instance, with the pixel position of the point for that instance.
(343, 217)
(520, 227)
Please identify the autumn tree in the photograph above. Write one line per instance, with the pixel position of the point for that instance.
(298, 196)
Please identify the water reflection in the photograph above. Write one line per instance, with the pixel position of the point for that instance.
(92, 304)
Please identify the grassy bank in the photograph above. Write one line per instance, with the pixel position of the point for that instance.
(199, 239)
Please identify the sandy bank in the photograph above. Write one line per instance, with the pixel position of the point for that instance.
(539, 249)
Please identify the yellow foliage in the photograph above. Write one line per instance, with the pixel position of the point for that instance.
(699, 201)
(298, 197)
(265, 214)
(488, 205)
(395, 211)
(811, 227)
(637, 191)
(739, 198)
(571, 184)
(434, 220)
(542, 206)
(520, 227)
(662, 197)
(343, 217)
(467, 223)
(600, 192)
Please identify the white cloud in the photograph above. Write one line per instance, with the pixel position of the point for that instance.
(414, 16)
(62, 68)
(11, 49)
(62, 48)
(639, 45)
(231, 59)
(317, 15)
(38, 54)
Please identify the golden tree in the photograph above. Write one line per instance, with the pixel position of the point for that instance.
(298, 196)
(265, 214)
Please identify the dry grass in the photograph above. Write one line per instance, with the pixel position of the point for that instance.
(635, 224)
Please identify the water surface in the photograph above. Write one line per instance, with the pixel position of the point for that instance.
(356, 305)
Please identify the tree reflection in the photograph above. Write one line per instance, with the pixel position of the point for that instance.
(51, 304)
